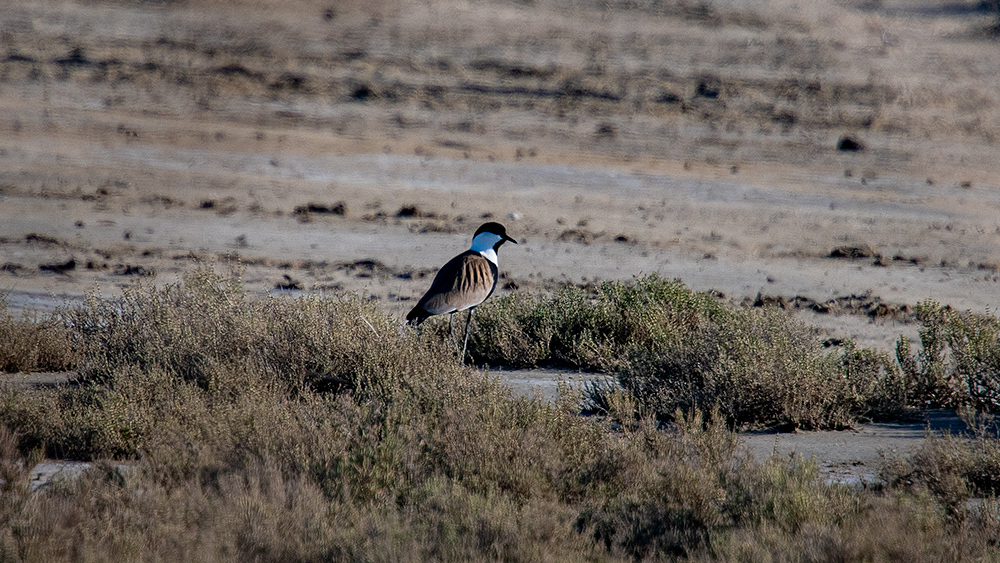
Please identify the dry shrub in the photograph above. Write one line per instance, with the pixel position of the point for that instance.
(241, 445)
(35, 345)
(207, 331)
(664, 494)
(202, 344)
(959, 360)
(587, 330)
(675, 348)
(955, 468)
(15, 490)
(698, 497)
(864, 527)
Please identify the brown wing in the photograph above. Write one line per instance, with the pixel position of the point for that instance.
(465, 281)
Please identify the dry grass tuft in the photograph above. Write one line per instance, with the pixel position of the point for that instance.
(35, 344)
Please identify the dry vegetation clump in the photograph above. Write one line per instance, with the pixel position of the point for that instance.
(675, 348)
(959, 360)
(232, 450)
(954, 468)
(35, 345)
(640, 494)
(590, 330)
(761, 367)
(191, 329)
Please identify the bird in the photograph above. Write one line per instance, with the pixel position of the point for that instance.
(465, 281)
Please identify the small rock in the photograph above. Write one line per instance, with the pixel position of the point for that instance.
(852, 252)
(850, 144)
(59, 268)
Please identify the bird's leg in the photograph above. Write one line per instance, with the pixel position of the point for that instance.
(451, 328)
(468, 323)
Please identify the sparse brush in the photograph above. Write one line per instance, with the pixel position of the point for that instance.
(954, 467)
(241, 454)
(35, 344)
(959, 360)
(672, 348)
(589, 330)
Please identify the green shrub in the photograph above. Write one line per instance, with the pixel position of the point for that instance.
(761, 367)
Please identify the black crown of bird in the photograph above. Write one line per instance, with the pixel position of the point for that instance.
(465, 281)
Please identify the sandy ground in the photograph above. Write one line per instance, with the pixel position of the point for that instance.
(357, 146)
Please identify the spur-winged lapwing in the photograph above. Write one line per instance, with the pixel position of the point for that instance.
(465, 281)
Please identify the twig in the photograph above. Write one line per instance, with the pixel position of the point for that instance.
(370, 326)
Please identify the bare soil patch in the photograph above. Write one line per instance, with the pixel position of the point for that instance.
(855, 456)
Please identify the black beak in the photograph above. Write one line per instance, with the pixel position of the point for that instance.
(505, 237)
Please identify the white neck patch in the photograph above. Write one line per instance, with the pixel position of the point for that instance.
(483, 244)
